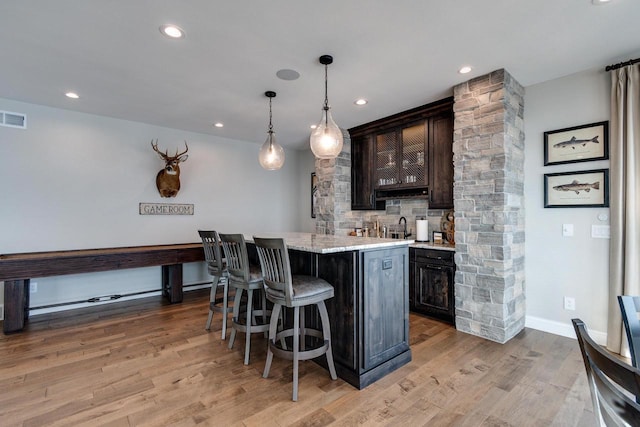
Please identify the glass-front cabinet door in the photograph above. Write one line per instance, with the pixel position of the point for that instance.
(386, 156)
(414, 144)
(401, 157)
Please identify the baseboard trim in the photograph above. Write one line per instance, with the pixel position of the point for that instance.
(562, 329)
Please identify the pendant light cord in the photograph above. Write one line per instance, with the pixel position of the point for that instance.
(326, 98)
(270, 126)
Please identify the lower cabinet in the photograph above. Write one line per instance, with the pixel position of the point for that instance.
(384, 303)
(369, 313)
(431, 283)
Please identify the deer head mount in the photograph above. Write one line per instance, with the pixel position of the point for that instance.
(168, 179)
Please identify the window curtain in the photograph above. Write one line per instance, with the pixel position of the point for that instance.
(624, 249)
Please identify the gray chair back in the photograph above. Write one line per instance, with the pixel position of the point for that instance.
(630, 308)
(236, 256)
(607, 376)
(212, 253)
(276, 270)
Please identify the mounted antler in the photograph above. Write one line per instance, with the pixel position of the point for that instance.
(168, 179)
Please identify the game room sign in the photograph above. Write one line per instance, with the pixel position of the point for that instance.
(166, 209)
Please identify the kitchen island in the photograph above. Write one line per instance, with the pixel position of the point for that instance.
(369, 313)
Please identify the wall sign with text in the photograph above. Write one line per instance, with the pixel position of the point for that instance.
(166, 209)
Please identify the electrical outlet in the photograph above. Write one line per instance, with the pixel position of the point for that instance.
(569, 303)
(33, 287)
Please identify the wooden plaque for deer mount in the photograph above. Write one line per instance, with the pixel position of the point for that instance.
(168, 178)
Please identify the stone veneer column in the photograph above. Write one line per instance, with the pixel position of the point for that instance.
(334, 185)
(489, 206)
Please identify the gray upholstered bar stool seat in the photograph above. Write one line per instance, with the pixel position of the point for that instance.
(285, 290)
(220, 278)
(244, 277)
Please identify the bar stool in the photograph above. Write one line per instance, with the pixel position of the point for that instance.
(217, 270)
(244, 277)
(285, 290)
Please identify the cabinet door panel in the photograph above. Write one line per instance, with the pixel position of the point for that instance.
(386, 159)
(362, 174)
(441, 161)
(413, 170)
(433, 289)
(385, 295)
(340, 271)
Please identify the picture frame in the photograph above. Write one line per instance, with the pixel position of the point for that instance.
(314, 194)
(579, 189)
(437, 237)
(583, 143)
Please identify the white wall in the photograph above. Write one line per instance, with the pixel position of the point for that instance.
(306, 165)
(557, 266)
(73, 181)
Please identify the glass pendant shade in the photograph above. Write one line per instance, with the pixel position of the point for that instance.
(326, 139)
(271, 155)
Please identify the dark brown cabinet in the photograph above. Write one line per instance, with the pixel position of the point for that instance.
(362, 170)
(407, 155)
(431, 283)
(441, 162)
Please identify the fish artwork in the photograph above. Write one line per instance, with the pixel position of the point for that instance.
(578, 187)
(573, 142)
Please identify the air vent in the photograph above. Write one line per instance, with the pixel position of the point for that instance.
(13, 120)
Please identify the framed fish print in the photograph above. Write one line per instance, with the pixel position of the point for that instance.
(577, 144)
(584, 189)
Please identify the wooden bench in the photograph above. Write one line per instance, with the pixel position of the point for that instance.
(16, 270)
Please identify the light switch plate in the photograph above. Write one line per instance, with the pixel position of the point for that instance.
(567, 230)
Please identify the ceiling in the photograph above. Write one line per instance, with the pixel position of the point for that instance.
(397, 54)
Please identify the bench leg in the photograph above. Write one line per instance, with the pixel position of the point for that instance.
(16, 305)
(172, 282)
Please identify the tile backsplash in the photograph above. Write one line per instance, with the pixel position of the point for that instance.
(412, 210)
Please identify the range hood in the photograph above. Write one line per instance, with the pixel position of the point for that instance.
(403, 193)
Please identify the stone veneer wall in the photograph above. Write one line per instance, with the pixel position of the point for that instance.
(334, 191)
(489, 206)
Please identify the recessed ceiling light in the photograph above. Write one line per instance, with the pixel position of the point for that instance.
(72, 95)
(464, 70)
(598, 2)
(286, 74)
(361, 101)
(218, 124)
(172, 31)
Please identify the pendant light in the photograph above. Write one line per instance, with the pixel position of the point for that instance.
(326, 138)
(271, 155)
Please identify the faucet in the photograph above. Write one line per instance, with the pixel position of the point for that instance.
(404, 230)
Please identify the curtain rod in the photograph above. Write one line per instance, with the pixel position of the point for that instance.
(621, 64)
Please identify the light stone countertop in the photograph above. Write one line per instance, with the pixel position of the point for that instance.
(326, 244)
(431, 245)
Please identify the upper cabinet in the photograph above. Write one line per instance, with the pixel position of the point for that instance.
(407, 155)
(400, 157)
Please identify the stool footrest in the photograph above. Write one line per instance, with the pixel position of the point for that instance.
(302, 354)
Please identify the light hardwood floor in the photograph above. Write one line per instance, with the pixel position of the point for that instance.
(148, 363)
